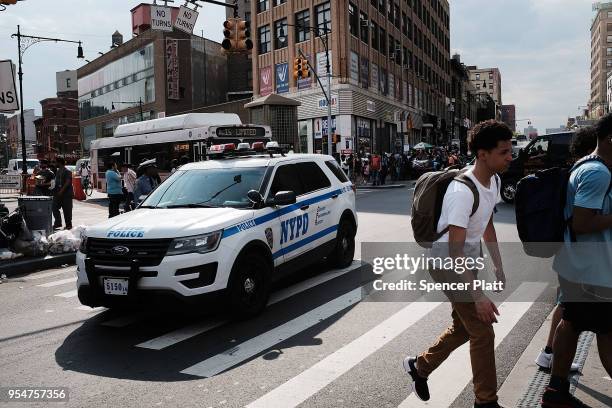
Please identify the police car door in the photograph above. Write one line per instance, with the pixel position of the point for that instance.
(322, 201)
(294, 220)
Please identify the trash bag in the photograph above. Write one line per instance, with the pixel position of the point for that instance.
(65, 241)
(6, 254)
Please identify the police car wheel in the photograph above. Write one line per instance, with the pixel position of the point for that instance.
(343, 253)
(249, 288)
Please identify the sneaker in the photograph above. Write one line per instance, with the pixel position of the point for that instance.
(419, 384)
(56, 227)
(559, 399)
(544, 361)
(493, 404)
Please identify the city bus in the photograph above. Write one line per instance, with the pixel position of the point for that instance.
(174, 137)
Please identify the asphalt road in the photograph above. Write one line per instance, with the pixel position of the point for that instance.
(317, 345)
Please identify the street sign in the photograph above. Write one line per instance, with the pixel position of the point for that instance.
(186, 19)
(8, 92)
(161, 18)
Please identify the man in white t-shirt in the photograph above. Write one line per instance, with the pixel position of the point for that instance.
(129, 182)
(474, 315)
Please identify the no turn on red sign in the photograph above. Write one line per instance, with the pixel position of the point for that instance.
(8, 92)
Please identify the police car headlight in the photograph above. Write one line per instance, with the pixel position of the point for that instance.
(83, 245)
(195, 244)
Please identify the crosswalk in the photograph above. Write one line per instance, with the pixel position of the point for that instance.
(298, 388)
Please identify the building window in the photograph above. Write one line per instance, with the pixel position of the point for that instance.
(491, 85)
(398, 53)
(247, 16)
(608, 63)
(323, 18)
(609, 51)
(609, 14)
(405, 24)
(397, 15)
(391, 47)
(302, 22)
(280, 34)
(406, 59)
(478, 86)
(263, 5)
(375, 37)
(478, 77)
(382, 45)
(390, 11)
(264, 39)
(364, 26)
(353, 20)
(381, 6)
(490, 75)
(279, 2)
(609, 39)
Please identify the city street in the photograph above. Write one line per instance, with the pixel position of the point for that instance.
(316, 345)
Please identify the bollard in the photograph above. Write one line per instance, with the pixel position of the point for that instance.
(77, 187)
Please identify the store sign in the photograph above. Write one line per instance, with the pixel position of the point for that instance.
(322, 102)
(322, 64)
(161, 18)
(371, 106)
(266, 81)
(186, 19)
(282, 78)
(354, 68)
(172, 69)
(320, 127)
(8, 92)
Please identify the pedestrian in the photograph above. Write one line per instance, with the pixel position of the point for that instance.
(129, 183)
(585, 270)
(113, 189)
(62, 196)
(583, 144)
(374, 169)
(45, 180)
(384, 168)
(472, 317)
(174, 164)
(146, 183)
(366, 171)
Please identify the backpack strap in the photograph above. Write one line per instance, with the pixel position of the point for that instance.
(463, 179)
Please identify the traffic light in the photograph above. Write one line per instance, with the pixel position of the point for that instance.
(300, 69)
(229, 32)
(237, 36)
(243, 36)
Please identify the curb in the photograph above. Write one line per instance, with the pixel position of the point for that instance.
(384, 187)
(21, 266)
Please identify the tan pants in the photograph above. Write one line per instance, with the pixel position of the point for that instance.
(466, 326)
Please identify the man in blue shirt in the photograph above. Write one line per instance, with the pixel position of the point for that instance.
(113, 188)
(146, 183)
(584, 265)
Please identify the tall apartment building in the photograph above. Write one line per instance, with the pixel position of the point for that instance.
(601, 57)
(509, 116)
(488, 80)
(390, 64)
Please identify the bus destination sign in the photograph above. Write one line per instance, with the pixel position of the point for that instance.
(241, 132)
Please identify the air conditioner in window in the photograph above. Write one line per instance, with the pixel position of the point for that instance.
(365, 23)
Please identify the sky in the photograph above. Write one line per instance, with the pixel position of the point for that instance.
(542, 47)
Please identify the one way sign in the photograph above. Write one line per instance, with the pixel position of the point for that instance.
(8, 93)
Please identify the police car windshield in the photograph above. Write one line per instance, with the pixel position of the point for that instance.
(207, 188)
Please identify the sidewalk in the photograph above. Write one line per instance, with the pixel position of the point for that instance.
(525, 384)
(89, 212)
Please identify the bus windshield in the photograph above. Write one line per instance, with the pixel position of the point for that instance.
(207, 188)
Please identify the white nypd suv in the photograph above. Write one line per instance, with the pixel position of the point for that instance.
(222, 229)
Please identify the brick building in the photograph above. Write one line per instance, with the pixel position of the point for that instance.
(390, 62)
(509, 116)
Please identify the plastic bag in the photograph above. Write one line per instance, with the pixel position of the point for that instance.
(65, 241)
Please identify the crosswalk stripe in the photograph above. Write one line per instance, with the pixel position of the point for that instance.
(57, 283)
(185, 333)
(89, 309)
(48, 274)
(70, 294)
(229, 358)
(309, 382)
(447, 382)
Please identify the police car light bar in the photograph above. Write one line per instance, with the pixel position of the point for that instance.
(258, 146)
(221, 148)
(243, 146)
(272, 146)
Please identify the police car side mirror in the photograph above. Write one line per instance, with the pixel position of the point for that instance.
(283, 198)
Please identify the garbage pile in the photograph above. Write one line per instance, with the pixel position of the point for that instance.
(16, 239)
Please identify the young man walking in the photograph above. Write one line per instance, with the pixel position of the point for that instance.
(473, 317)
(584, 265)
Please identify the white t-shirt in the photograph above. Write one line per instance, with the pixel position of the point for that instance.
(457, 207)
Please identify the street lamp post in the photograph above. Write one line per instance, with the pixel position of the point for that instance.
(325, 41)
(139, 103)
(23, 43)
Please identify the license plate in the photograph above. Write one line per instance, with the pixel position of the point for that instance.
(114, 286)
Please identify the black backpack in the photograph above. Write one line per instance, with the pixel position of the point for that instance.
(539, 207)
